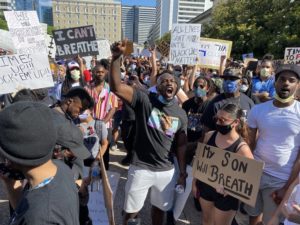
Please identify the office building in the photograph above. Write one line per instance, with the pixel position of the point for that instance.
(6, 5)
(137, 22)
(169, 12)
(104, 15)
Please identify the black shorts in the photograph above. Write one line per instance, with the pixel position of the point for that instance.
(222, 203)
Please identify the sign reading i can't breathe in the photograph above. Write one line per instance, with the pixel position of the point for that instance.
(185, 44)
(292, 56)
(24, 71)
(239, 176)
(73, 41)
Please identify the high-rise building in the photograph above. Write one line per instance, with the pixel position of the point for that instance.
(169, 12)
(128, 22)
(42, 7)
(104, 15)
(6, 5)
(137, 22)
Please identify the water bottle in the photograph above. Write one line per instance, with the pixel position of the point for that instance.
(136, 221)
(179, 188)
(95, 176)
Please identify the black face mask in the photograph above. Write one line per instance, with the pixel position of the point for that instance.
(223, 129)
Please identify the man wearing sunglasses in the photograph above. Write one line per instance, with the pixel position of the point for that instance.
(231, 87)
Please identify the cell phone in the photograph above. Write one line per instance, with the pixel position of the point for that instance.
(10, 173)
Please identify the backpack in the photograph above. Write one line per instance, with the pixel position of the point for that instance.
(92, 140)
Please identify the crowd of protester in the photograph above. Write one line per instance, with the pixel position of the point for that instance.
(160, 111)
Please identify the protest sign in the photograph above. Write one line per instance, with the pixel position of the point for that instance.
(292, 56)
(96, 204)
(129, 48)
(24, 71)
(239, 176)
(104, 49)
(247, 55)
(73, 41)
(26, 32)
(185, 43)
(211, 51)
(164, 48)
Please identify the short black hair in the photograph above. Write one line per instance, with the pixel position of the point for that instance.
(83, 95)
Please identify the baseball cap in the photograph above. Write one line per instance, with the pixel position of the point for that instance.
(294, 68)
(69, 136)
(232, 72)
(73, 64)
(27, 135)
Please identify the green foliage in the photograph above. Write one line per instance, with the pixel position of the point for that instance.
(166, 38)
(259, 26)
(3, 23)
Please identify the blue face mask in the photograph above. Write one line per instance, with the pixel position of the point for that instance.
(164, 101)
(230, 86)
(199, 92)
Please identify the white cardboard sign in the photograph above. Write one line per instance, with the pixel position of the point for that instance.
(185, 44)
(24, 71)
(26, 32)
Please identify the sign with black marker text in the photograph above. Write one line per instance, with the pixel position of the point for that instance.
(239, 176)
(185, 44)
(24, 71)
(73, 41)
(292, 56)
(26, 32)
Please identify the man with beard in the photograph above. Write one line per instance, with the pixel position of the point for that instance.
(160, 125)
(274, 135)
(105, 102)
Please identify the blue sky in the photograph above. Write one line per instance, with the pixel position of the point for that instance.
(139, 2)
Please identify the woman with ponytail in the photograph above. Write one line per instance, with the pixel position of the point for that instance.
(230, 135)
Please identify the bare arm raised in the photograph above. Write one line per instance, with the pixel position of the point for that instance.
(124, 91)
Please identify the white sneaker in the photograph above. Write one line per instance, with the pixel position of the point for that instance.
(114, 148)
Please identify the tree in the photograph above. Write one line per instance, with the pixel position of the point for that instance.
(259, 26)
(3, 23)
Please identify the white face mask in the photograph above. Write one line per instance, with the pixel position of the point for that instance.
(83, 116)
(244, 88)
(182, 83)
(75, 74)
(264, 72)
(123, 75)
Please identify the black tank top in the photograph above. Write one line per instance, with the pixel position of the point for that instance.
(232, 148)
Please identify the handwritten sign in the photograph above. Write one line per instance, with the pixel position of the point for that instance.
(239, 176)
(96, 204)
(211, 50)
(164, 48)
(26, 32)
(73, 41)
(104, 49)
(292, 56)
(185, 43)
(24, 71)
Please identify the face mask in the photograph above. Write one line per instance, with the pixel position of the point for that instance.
(230, 86)
(199, 92)
(284, 100)
(264, 72)
(164, 101)
(182, 83)
(244, 88)
(75, 74)
(223, 129)
(83, 116)
(132, 67)
(123, 75)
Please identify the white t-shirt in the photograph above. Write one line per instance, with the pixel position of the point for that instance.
(278, 138)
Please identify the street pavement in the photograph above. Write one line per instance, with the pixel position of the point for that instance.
(189, 215)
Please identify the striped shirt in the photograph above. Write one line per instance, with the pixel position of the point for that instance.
(104, 102)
